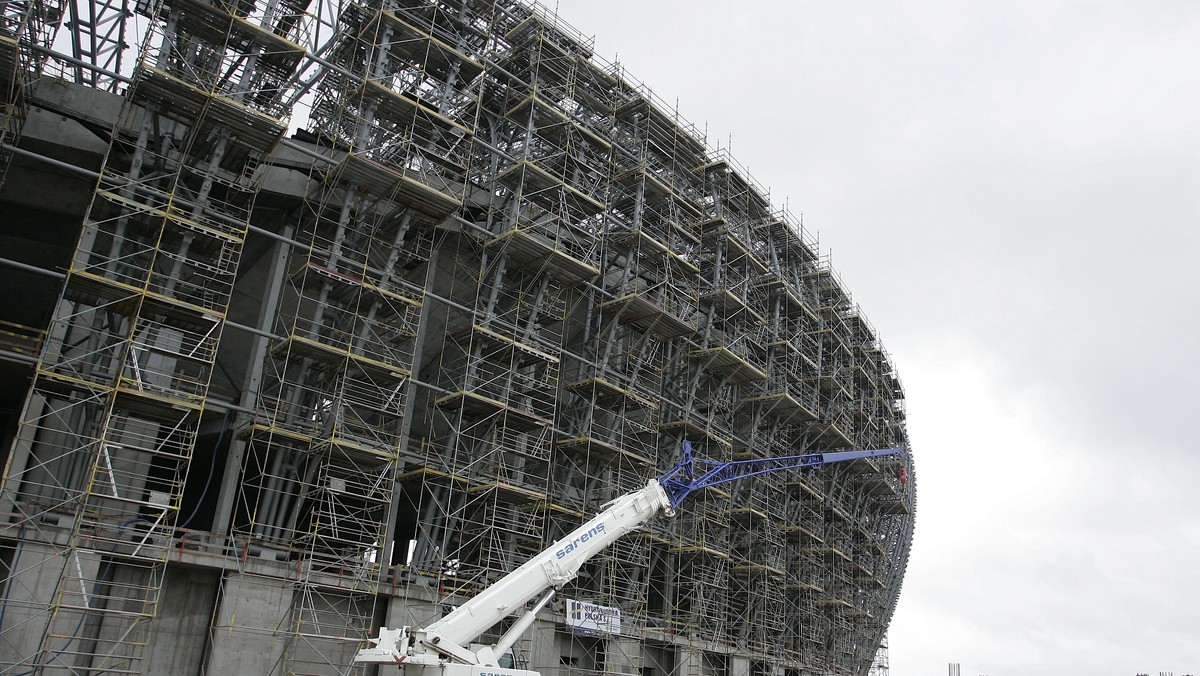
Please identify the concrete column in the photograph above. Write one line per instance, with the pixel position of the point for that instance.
(180, 629)
(249, 628)
(623, 656)
(690, 662)
(408, 612)
(231, 479)
(25, 611)
(543, 648)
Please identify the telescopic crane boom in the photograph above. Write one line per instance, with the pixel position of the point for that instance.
(445, 647)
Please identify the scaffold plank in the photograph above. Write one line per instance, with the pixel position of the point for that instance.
(534, 250)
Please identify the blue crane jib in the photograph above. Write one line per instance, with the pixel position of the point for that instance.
(693, 474)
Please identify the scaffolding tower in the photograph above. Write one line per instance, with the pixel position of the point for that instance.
(27, 28)
(295, 388)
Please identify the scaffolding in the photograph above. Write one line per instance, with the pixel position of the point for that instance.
(106, 442)
(318, 384)
(26, 28)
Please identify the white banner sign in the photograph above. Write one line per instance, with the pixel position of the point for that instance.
(589, 618)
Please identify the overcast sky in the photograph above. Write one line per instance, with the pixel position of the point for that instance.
(1010, 190)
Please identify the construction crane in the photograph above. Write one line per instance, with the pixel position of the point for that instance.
(446, 648)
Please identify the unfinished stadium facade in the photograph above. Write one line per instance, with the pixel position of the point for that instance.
(265, 391)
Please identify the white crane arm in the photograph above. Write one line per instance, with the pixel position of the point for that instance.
(450, 636)
(552, 568)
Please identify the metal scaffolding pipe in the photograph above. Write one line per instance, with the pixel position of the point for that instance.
(32, 268)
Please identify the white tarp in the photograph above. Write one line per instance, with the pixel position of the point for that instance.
(589, 618)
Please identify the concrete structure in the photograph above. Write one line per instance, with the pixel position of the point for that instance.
(265, 392)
